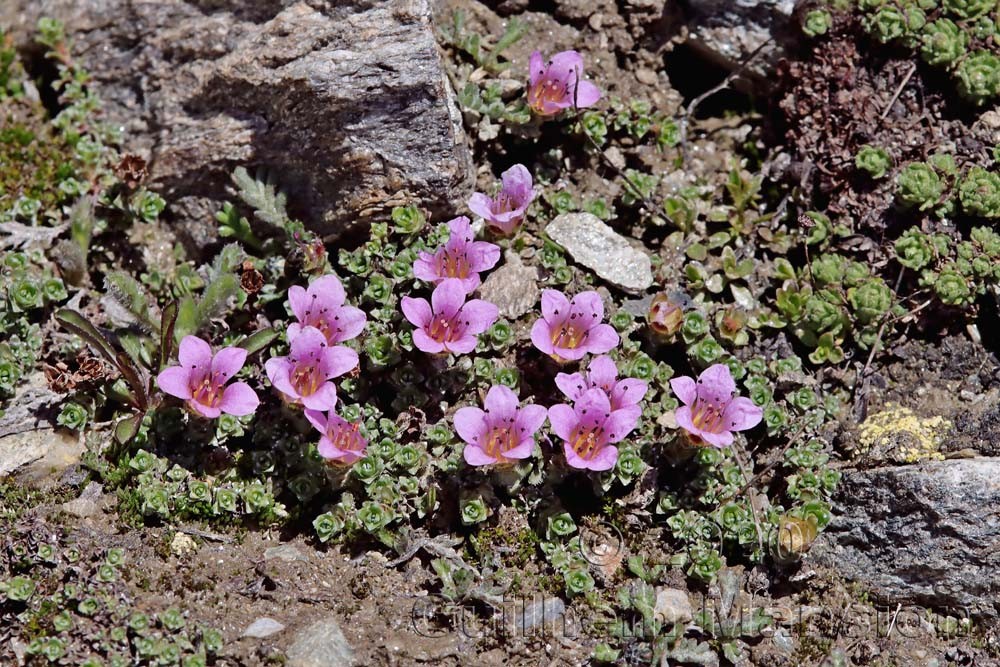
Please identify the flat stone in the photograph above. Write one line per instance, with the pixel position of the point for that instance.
(262, 628)
(922, 534)
(513, 288)
(672, 606)
(39, 456)
(538, 614)
(285, 552)
(88, 504)
(322, 644)
(598, 247)
(347, 103)
(729, 31)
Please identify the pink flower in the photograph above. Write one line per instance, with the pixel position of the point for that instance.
(558, 84)
(460, 257)
(602, 373)
(322, 306)
(200, 380)
(304, 375)
(712, 410)
(342, 441)
(590, 428)
(448, 323)
(568, 330)
(501, 433)
(506, 211)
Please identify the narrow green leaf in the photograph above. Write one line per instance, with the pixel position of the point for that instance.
(257, 341)
(167, 323)
(81, 326)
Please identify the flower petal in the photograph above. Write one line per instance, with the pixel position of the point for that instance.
(462, 345)
(517, 184)
(330, 451)
(718, 440)
(555, 306)
(594, 407)
(317, 419)
(483, 256)
(586, 94)
(227, 362)
(416, 311)
(685, 388)
(541, 336)
(741, 414)
(238, 399)
(324, 398)
(195, 353)
(298, 301)
(716, 385)
(328, 289)
(427, 344)
(470, 424)
(621, 423)
(588, 308)
(175, 381)
(475, 456)
(602, 338)
(337, 360)
(478, 315)
(348, 323)
(521, 450)
(481, 205)
(536, 67)
(572, 458)
(208, 411)
(308, 346)
(501, 404)
(605, 459)
(423, 269)
(602, 372)
(562, 420)
(278, 370)
(448, 297)
(628, 392)
(565, 66)
(682, 416)
(529, 419)
(572, 385)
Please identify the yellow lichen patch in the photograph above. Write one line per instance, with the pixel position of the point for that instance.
(898, 434)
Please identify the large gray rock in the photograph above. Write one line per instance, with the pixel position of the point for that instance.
(322, 644)
(926, 534)
(347, 102)
(598, 247)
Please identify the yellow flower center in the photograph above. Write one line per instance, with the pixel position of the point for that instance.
(585, 442)
(706, 417)
(501, 439)
(455, 265)
(306, 380)
(207, 393)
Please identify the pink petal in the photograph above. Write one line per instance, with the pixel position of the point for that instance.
(517, 184)
(308, 345)
(298, 300)
(587, 94)
(351, 323)
(416, 311)
(478, 316)
(175, 381)
(555, 306)
(621, 422)
(427, 344)
(330, 451)
(227, 362)
(529, 419)
(605, 459)
(602, 371)
(423, 268)
(536, 67)
(718, 440)
(741, 414)
(293, 331)
(572, 386)
(541, 337)
(317, 419)
(475, 456)
(569, 353)
(324, 398)
(685, 388)
(278, 370)
(352, 456)
(716, 385)
(329, 290)
(682, 416)
(470, 283)
(572, 458)
(588, 308)
(594, 407)
(448, 297)
(628, 392)
(460, 228)
(470, 424)
(565, 66)
(521, 450)
(602, 338)
(562, 420)
(207, 411)
(195, 353)
(238, 399)
(483, 256)
(337, 360)
(501, 404)
(462, 345)
(481, 205)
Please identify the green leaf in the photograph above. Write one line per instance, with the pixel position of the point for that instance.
(262, 194)
(77, 324)
(167, 322)
(127, 291)
(126, 429)
(187, 319)
(257, 341)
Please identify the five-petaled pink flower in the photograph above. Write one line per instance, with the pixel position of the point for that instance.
(461, 257)
(448, 323)
(506, 211)
(322, 306)
(342, 441)
(304, 375)
(201, 379)
(589, 430)
(559, 84)
(602, 373)
(568, 329)
(500, 433)
(712, 410)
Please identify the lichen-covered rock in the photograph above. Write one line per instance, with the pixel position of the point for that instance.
(346, 101)
(924, 534)
(598, 247)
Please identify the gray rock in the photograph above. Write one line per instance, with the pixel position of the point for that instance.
(925, 534)
(322, 644)
(513, 287)
(729, 31)
(262, 628)
(88, 504)
(598, 247)
(672, 606)
(39, 456)
(346, 102)
(285, 552)
(537, 614)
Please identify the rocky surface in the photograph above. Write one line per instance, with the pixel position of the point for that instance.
(598, 247)
(924, 534)
(321, 644)
(513, 287)
(729, 31)
(346, 102)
